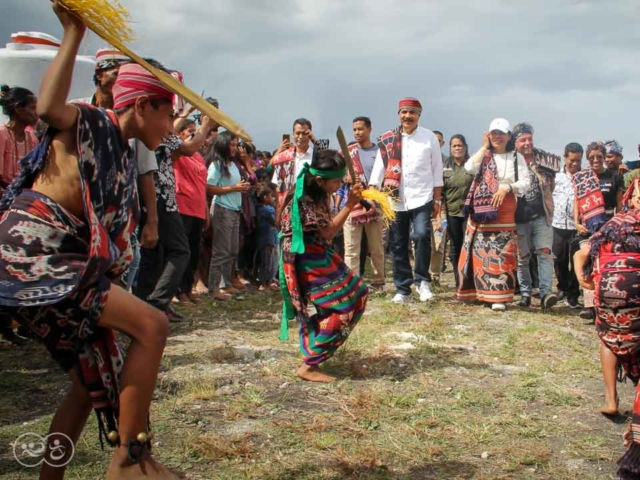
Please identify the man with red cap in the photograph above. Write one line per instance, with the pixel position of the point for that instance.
(409, 166)
(65, 225)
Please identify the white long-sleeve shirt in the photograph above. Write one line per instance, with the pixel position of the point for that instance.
(421, 170)
(506, 170)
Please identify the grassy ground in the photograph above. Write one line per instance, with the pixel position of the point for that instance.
(435, 391)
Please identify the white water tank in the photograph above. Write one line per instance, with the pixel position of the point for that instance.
(26, 58)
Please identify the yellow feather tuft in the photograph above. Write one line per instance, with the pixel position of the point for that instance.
(384, 204)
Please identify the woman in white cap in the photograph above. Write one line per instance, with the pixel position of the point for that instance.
(487, 266)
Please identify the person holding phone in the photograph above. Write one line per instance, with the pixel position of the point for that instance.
(290, 158)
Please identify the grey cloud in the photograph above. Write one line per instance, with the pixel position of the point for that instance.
(568, 66)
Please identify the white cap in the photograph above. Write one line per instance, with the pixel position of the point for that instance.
(500, 124)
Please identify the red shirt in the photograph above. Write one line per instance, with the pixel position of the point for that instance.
(191, 184)
(11, 151)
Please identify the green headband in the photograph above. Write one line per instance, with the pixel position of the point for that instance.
(297, 245)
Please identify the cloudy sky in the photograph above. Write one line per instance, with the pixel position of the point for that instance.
(570, 67)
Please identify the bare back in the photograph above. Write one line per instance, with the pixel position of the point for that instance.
(60, 177)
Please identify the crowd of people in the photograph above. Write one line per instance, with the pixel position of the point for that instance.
(117, 207)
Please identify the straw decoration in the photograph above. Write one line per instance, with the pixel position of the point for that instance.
(384, 204)
(114, 29)
(109, 18)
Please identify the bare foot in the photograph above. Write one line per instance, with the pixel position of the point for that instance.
(122, 469)
(610, 408)
(183, 299)
(193, 299)
(312, 373)
(221, 296)
(231, 290)
(200, 288)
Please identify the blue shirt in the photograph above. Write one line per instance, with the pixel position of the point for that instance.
(267, 231)
(233, 200)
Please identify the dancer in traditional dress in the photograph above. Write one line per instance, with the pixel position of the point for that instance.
(611, 269)
(311, 272)
(487, 266)
(65, 224)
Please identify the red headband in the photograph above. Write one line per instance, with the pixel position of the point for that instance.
(134, 82)
(409, 102)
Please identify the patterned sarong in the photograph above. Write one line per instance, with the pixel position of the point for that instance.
(320, 277)
(615, 259)
(56, 269)
(487, 265)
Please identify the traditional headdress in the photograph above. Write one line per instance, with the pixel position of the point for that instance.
(410, 103)
(107, 58)
(134, 82)
(612, 146)
(522, 129)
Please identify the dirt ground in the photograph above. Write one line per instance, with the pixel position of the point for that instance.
(425, 391)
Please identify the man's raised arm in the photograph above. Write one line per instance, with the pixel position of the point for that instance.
(52, 101)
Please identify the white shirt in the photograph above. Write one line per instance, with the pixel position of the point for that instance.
(299, 161)
(421, 170)
(506, 170)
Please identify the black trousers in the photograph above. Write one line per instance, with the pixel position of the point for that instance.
(162, 267)
(193, 227)
(564, 246)
(455, 232)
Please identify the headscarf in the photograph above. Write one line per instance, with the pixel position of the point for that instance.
(522, 129)
(297, 233)
(410, 103)
(612, 146)
(134, 82)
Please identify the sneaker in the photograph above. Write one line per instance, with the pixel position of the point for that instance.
(400, 298)
(572, 303)
(561, 295)
(548, 301)
(498, 307)
(172, 315)
(535, 292)
(525, 301)
(425, 291)
(587, 314)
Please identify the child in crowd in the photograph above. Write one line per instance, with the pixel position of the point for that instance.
(267, 242)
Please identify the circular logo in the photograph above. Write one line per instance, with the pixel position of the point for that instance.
(60, 450)
(31, 449)
(28, 450)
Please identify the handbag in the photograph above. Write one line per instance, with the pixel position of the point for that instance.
(523, 209)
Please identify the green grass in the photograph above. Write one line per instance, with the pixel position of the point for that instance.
(521, 387)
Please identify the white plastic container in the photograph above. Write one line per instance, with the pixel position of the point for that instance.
(26, 58)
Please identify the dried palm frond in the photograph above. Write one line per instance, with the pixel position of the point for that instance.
(109, 20)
